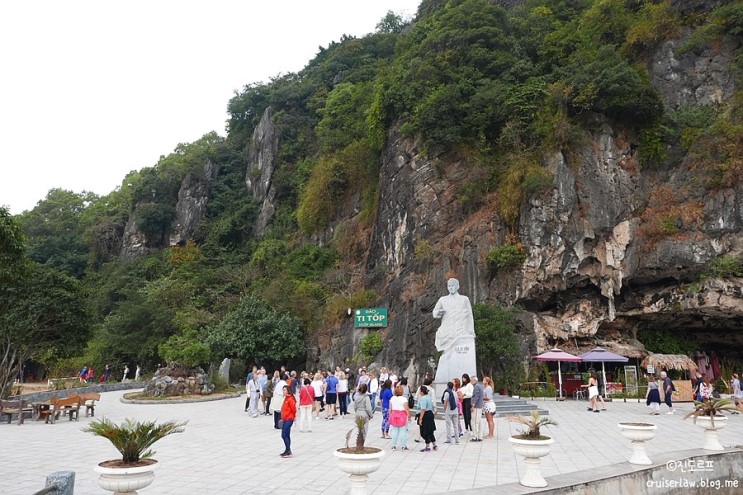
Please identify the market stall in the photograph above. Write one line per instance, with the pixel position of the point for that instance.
(655, 363)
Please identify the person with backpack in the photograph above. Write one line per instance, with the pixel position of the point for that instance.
(451, 413)
(306, 399)
(668, 389)
(399, 414)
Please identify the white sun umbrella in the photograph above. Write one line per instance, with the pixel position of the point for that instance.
(558, 355)
(603, 356)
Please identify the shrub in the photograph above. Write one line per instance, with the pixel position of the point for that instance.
(506, 256)
(726, 266)
(371, 345)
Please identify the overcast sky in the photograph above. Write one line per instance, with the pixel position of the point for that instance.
(91, 90)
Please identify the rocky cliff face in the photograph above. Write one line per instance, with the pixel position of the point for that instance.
(261, 156)
(193, 197)
(593, 275)
(191, 207)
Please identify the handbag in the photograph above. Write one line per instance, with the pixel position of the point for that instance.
(411, 401)
(398, 418)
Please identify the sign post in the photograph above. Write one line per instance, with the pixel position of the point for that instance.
(370, 318)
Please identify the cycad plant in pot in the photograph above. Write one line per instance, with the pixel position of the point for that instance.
(708, 414)
(133, 440)
(358, 461)
(531, 444)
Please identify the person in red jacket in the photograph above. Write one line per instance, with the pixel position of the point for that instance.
(288, 414)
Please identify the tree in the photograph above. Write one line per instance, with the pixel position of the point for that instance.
(257, 333)
(41, 308)
(390, 23)
(55, 233)
(498, 345)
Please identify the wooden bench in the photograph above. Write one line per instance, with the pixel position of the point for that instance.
(20, 407)
(68, 406)
(89, 400)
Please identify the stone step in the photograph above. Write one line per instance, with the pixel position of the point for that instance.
(507, 406)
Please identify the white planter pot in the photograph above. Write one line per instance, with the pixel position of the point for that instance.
(639, 434)
(358, 467)
(532, 450)
(125, 480)
(710, 432)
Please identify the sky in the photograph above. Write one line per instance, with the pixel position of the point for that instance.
(92, 89)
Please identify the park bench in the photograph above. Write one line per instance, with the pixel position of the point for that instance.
(89, 400)
(68, 406)
(20, 407)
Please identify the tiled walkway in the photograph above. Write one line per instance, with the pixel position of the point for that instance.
(223, 451)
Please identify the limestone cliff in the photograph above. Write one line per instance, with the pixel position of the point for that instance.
(596, 272)
(192, 200)
(261, 157)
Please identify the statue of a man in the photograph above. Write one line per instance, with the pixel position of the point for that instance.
(455, 337)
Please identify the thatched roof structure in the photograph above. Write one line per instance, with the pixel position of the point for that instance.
(670, 362)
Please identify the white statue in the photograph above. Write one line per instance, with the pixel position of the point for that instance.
(455, 338)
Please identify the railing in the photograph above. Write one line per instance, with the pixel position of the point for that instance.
(59, 483)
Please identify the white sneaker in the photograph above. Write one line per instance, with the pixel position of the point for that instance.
(669, 412)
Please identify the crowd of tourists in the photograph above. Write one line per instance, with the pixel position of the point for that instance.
(305, 397)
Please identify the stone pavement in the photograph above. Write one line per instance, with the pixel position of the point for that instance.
(224, 451)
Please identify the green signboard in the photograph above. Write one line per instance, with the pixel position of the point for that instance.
(370, 317)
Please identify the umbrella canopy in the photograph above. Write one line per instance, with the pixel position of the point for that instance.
(558, 355)
(599, 355)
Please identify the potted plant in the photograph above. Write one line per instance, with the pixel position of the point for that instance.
(709, 415)
(638, 434)
(133, 440)
(358, 461)
(531, 444)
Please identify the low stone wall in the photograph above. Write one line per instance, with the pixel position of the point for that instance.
(718, 473)
(97, 388)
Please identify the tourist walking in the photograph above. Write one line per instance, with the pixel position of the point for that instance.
(737, 392)
(342, 389)
(362, 406)
(277, 402)
(399, 414)
(254, 391)
(317, 386)
(331, 395)
(489, 405)
(458, 391)
(451, 413)
(306, 399)
(668, 389)
(288, 414)
(652, 396)
(478, 403)
(249, 379)
(466, 390)
(384, 396)
(426, 420)
(268, 395)
(593, 391)
(374, 385)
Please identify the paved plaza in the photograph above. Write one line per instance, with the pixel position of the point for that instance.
(224, 451)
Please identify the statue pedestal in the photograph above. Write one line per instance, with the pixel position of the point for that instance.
(452, 364)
